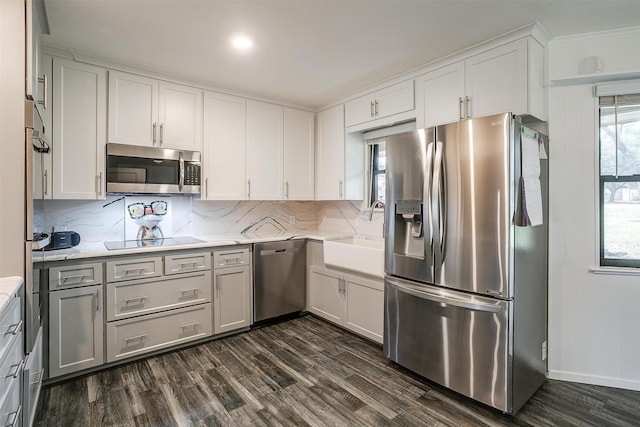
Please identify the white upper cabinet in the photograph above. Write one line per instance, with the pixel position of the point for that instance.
(224, 176)
(79, 130)
(299, 137)
(440, 95)
(330, 165)
(180, 116)
(385, 102)
(264, 153)
(508, 78)
(148, 112)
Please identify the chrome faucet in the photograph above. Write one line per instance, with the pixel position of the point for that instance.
(376, 204)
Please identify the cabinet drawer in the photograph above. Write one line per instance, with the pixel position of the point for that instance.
(10, 408)
(32, 381)
(11, 367)
(185, 263)
(128, 299)
(10, 325)
(73, 276)
(130, 269)
(140, 335)
(231, 258)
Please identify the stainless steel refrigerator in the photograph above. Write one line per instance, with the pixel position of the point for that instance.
(466, 257)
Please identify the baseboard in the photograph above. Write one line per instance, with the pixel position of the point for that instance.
(595, 380)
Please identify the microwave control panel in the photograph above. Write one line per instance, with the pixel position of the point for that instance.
(192, 174)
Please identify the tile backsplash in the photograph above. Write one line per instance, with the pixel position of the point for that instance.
(109, 220)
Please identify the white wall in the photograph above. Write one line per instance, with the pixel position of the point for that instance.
(12, 90)
(594, 319)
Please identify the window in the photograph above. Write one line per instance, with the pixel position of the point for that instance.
(620, 180)
(377, 163)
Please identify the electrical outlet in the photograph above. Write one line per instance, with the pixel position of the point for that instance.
(544, 350)
(292, 220)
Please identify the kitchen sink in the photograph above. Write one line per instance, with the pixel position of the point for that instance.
(361, 254)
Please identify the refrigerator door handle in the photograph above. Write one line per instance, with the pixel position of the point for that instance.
(427, 222)
(439, 204)
(427, 294)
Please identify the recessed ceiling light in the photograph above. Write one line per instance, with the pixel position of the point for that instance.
(241, 42)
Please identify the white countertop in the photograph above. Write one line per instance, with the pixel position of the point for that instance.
(8, 286)
(97, 249)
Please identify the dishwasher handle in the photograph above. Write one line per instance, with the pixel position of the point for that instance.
(273, 251)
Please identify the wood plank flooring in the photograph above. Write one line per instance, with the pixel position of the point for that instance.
(303, 372)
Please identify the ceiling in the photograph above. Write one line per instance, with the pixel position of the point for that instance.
(307, 52)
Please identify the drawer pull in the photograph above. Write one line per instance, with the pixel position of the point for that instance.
(140, 300)
(136, 338)
(139, 271)
(189, 265)
(40, 377)
(190, 325)
(81, 277)
(14, 329)
(233, 260)
(16, 417)
(17, 366)
(193, 291)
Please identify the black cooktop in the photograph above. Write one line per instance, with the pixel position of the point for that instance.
(167, 241)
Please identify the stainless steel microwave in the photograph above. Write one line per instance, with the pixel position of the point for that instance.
(134, 169)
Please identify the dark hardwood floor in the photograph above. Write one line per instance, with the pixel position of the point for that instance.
(303, 372)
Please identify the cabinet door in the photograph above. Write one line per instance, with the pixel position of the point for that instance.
(79, 133)
(441, 96)
(179, 117)
(264, 151)
(76, 334)
(325, 295)
(496, 80)
(330, 154)
(299, 131)
(394, 99)
(359, 110)
(232, 299)
(133, 109)
(364, 313)
(224, 147)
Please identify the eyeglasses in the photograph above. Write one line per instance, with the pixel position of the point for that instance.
(137, 210)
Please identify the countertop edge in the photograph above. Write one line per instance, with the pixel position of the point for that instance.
(8, 286)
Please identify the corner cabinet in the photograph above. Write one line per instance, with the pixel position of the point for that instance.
(330, 154)
(149, 112)
(509, 77)
(79, 130)
(224, 173)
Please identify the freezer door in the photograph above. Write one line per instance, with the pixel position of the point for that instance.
(457, 340)
(408, 235)
(471, 195)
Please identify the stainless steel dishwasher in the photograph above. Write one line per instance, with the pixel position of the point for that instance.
(279, 278)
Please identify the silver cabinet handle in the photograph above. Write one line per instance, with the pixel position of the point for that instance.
(14, 329)
(139, 299)
(206, 187)
(460, 108)
(371, 109)
(154, 133)
(189, 291)
(46, 181)
(186, 264)
(16, 417)
(40, 377)
(468, 106)
(81, 277)
(340, 189)
(45, 87)
(249, 189)
(286, 189)
(136, 338)
(190, 325)
(17, 367)
(99, 183)
(376, 108)
(217, 284)
(97, 302)
(161, 134)
(138, 270)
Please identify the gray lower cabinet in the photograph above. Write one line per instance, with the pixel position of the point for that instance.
(76, 329)
(233, 288)
(32, 381)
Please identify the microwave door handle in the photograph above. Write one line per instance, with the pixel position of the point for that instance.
(181, 179)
